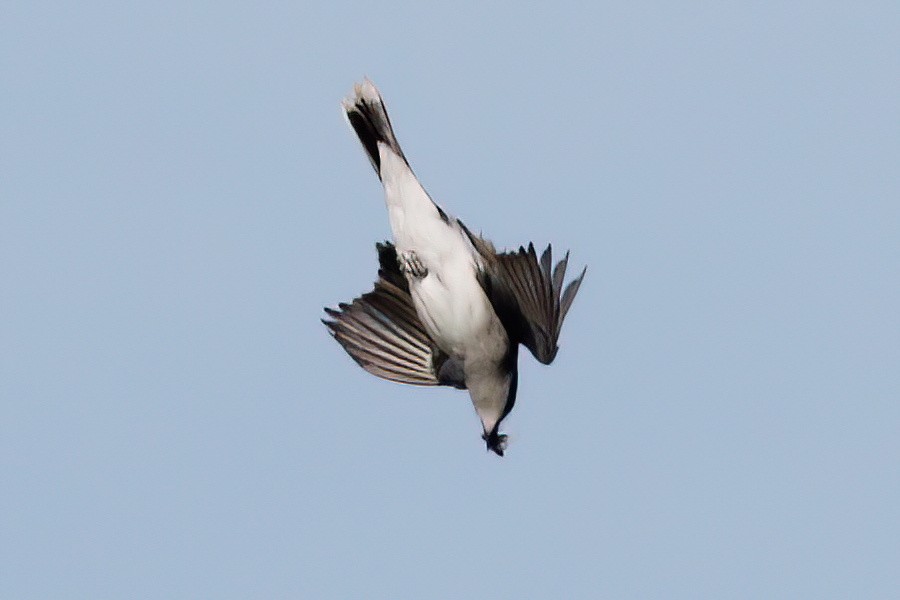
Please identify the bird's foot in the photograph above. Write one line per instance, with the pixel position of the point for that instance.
(410, 264)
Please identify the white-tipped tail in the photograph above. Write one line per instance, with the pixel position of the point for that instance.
(363, 91)
(368, 117)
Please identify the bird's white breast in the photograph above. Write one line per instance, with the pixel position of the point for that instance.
(449, 300)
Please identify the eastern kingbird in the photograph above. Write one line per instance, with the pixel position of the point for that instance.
(447, 308)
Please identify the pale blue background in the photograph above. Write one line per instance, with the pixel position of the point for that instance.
(179, 197)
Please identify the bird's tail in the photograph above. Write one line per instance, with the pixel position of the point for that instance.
(367, 115)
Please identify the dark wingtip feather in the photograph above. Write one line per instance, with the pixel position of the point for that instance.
(546, 260)
(569, 295)
(559, 274)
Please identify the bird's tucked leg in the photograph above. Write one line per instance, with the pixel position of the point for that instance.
(410, 264)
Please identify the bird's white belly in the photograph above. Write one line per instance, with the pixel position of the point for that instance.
(448, 299)
(453, 308)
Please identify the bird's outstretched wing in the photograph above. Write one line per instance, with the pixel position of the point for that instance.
(528, 296)
(381, 331)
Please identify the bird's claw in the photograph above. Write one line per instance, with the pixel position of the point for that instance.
(410, 264)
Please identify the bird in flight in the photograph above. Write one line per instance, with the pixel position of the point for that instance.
(447, 308)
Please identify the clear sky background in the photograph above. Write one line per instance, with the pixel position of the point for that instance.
(180, 197)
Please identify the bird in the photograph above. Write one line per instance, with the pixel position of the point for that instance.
(447, 308)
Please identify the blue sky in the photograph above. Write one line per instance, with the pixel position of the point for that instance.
(180, 197)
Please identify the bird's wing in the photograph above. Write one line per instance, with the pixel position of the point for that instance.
(381, 331)
(528, 296)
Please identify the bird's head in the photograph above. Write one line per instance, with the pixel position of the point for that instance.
(496, 442)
